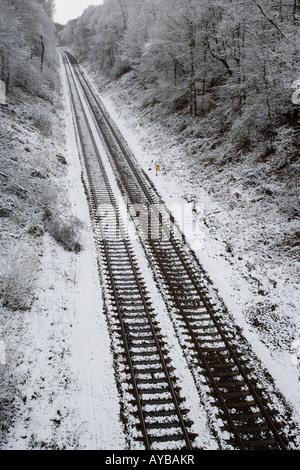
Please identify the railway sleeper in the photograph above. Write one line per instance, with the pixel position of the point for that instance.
(116, 258)
(209, 342)
(139, 324)
(165, 439)
(156, 395)
(152, 391)
(260, 443)
(199, 312)
(158, 389)
(163, 413)
(138, 306)
(245, 429)
(130, 283)
(193, 314)
(241, 404)
(134, 296)
(165, 433)
(222, 365)
(181, 286)
(149, 370)
(167, 425)
(215, 354)
(239, 394)
(131, 312)
(135, 308)
(158, 401)
(200, 325)
(124, 292)
(228, 384)
(229, 373)
(138, 344)
(143, 365)
(209, 358)
(186, 303)
(120, 276)
(138, 361)
(218, 374)
(177, 278)
(233, 383)
(141, 342)
(175, 437)
(204, 334)
(200, 330)
(138, 331)
(138, 334)
(155, 421)
(144, 351)
(136, 300)
(122, 271)
(246, 417)
(153, 380)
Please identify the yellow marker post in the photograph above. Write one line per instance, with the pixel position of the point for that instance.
(157, 169)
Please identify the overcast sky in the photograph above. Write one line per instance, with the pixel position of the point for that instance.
(69, 9)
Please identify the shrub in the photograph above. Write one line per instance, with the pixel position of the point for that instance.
(17, 279)
(64, 230)
(41, 119)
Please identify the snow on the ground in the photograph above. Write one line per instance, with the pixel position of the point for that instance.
(65, 391)
(66, 396)
(243, 249)
(193, 403)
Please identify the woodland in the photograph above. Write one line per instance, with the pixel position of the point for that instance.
(228, 63)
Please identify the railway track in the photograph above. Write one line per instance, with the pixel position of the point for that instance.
(154, 394)
(211, 346)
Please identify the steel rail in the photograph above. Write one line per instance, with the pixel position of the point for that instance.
(140, 289)
(174, 242)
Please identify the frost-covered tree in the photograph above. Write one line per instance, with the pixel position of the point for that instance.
(26, 42)
(233, 60)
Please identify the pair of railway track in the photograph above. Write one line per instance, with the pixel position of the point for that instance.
(157, 410)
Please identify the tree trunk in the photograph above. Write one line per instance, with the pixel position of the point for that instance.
(193, 87)
(43, 54)
(2, 67)
(193, 99)
(295, 9)
(5, 75)
(123, 15)
(175, 71)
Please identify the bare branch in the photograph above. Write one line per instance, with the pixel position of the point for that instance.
(30, 195)
(272, 22)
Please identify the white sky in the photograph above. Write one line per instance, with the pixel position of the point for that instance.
(70, 9)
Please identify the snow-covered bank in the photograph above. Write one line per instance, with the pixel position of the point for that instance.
(245, 251)
(64, 359)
